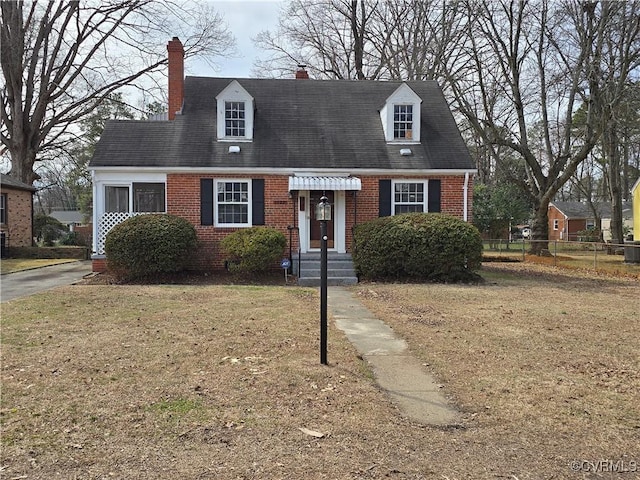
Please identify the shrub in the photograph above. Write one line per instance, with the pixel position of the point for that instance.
(47, 229)
(418, 246)
(149, 244)
(71, 238)
(589, 235)
(253, 250)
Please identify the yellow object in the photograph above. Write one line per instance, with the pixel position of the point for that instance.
(635, 194)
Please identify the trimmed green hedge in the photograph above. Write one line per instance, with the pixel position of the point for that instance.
(253, 250)
(417, 246)
(149, 244)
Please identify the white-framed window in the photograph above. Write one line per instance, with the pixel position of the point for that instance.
(556, 223)
(234, 114)
(400, 116)
(590, 224)
(409, 196)
(233, 203)
(403, 122)
(234, 119)
(148, 197)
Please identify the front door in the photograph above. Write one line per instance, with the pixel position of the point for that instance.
(314, 225)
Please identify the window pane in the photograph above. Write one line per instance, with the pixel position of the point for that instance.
(408, 209)
(148, 197)
(402, 121)
(408, 197)
(233, 202)
(234, 115)
(233, 214)
(116, 199)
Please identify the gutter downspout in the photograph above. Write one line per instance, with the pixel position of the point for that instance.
(465, 194)
(94, 214)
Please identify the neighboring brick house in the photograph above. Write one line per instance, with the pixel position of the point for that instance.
(236, 153)
(566, 219)
(16, 213)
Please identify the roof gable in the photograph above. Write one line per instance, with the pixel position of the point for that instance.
(234, 92)
(403, 95)
(581, 210)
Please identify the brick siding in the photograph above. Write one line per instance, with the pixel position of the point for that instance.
(19, 227)
(183, 199)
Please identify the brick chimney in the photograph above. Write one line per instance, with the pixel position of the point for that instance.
(176, 76)
(301, 73)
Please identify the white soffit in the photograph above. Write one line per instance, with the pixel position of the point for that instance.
(324, 183)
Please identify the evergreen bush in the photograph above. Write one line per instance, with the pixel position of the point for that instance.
(417, 246)
(71, 239)
(47, 229)
(253, 250)
(148, 244)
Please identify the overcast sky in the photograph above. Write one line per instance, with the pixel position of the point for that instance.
(246, 18)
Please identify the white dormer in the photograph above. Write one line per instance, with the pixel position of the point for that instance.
(400, 116)
(235, 114)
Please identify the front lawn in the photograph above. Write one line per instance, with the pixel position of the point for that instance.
(215, 382)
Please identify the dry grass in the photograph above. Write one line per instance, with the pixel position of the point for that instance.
(571, 256)
(166, 382)
(10, 265)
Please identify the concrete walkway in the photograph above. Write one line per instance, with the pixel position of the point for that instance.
(411, 388)
(28, 282)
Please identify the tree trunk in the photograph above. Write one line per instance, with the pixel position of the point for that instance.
(22, 161)
(615, 189)
(540, 228)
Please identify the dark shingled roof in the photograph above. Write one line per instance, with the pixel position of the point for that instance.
(298, 124)
(11, 182)
(580, 210)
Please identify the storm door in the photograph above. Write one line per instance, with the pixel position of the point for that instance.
(314, 225)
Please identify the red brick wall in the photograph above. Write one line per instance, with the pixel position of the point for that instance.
(554, 214)
(99, 265)
(19, 227)
(183, 199)
(451, 200)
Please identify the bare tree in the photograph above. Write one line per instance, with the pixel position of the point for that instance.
(619, 56)
(361, 39)
(514, 71)
(531, 64)
(62, 59)
(330, 37)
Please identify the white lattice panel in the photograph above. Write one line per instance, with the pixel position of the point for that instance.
(109, 220)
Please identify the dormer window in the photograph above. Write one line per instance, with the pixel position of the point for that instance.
(403, 122)
(234, 114)
(234, 119)
(400, 116)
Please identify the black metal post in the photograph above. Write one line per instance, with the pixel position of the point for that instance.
(323, 292)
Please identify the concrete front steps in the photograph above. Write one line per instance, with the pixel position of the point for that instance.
(340, 269)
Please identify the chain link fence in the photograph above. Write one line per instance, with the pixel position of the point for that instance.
(605, 257)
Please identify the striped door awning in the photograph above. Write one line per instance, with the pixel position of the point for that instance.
(324, 183)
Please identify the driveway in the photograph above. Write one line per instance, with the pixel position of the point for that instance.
(28, 282)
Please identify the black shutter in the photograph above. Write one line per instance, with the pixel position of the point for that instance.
(384, 201)
(257, 199)
(206, 201)
(434, 196)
